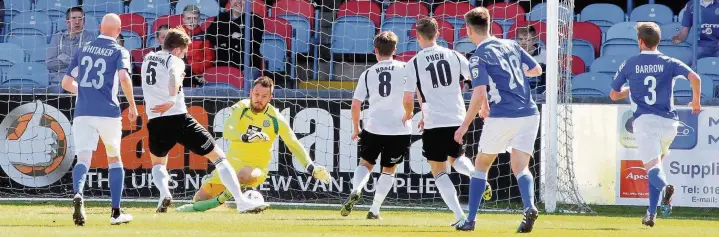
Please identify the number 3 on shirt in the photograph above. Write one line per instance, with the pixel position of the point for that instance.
(651, 83)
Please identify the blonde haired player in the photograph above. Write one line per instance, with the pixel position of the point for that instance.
(253, 126)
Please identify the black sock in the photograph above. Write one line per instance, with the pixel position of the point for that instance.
(115, 213)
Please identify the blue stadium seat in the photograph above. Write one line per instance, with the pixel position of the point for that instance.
(27, 74)
(709, 69)
(683, 51)
(623, 30)
(353, 34)
(302, 39)
(150, 9)
(34, 45)
(413, 46)
(98, 8)
(14, 7)
(55, 8)
(604, 15)
(539, 13)
(591, 84)
(11, 55)
(626, 47)
(464, 45)
(132, 40)
(607, 64)
(401, 26)
(680, 17)
(274, 50)
(683, 89)
(31, 23)
(652, 12)
(207, 8)
(584, 50)
(151, 42)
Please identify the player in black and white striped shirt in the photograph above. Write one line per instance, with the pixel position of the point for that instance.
(382, 133)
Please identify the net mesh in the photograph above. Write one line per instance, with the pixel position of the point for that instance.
(314, 51)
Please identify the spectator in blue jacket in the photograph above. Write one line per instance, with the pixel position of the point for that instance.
(709, 24)
(64, 44)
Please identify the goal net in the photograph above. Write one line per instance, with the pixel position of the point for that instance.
(315, 51)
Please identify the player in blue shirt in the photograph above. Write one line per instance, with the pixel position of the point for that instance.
(709, 22)
(93, 76)
(650, 79)
(511, 119)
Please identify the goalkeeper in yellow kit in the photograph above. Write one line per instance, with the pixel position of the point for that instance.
(252, 128)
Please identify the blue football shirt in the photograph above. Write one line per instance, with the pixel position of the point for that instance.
(498, 64)
(709, 22)
(650, 76)
(95, 68)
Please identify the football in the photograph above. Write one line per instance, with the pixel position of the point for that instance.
(254, 195)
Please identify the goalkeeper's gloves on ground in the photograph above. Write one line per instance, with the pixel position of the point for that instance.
(255, 137)
(319, 172)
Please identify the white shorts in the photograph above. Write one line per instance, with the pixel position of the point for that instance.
(653, 135)
(87, 129)
(504, 134)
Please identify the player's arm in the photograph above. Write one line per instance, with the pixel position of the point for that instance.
(619, 91)
(410, 86)
(687, 22)
(479, 101)
(533, 68)
(123, 70)
(68, 81)
(359, 96)
(232, 132)
(299, 151)
(694, 81)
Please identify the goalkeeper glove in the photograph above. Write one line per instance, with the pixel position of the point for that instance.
(319, 172)
(255, 137)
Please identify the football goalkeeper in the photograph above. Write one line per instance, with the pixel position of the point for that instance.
(252, 128)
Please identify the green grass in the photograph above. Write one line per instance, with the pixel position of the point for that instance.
(54, 219)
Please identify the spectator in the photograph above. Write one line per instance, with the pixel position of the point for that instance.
(160, 36)
(120, 40)
(226, 34)
(527, 39)
(708, 45)
(64, 43)
(200, 55)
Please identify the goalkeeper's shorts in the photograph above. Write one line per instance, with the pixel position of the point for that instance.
(214, 178)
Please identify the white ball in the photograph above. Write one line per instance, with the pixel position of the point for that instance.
(254, 195)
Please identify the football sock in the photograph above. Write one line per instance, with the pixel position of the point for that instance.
(525, 180)
(657, 182)
(384, 184)
(360, 178)
(229, 179)
(476, 188)
(117, 183)
(449, 194)
(161, 179)
(463, 166)
(78, 177)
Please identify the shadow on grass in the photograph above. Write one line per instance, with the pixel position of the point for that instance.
(586, 229)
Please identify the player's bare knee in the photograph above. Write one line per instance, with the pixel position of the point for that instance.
(113, 159)
(245, 175)
(389, 169)
(158, 160)
(366, 164)
(437, 167)
(484, 161)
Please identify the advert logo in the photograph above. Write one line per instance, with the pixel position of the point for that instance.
(686, 138)
(633, 181)
(36, 141)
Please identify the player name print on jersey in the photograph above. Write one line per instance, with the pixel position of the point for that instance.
(158, 69)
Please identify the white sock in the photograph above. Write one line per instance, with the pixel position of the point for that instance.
(449, 194)
(229, 179)
(384, 184)
(360, 178)
(463, 166)
(161, 179)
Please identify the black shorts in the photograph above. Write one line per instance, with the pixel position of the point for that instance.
(394, 148)
(438, 144)
(167, 131)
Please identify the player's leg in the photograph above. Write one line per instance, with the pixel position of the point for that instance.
(163, 134)
(85, 140)
(437, 146)
(384, 185)
(110, 131)
(667, 139)
(523, 148)
(462, 165)
(200, 141)
(653, 134)
(394, 151)
(370, 146)
(213, 193)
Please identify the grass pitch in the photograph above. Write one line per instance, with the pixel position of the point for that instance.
(55, 219)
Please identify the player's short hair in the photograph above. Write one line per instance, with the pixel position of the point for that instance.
(264, 82)
(427, 27)
(159, 29)
(385, 42)
(479, 20)
(176, 38)
(649, 33)
(73, 9)
(529, 30)
(191, 9)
